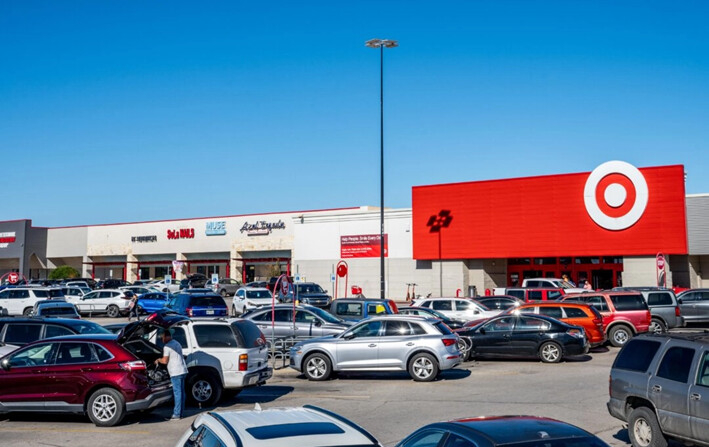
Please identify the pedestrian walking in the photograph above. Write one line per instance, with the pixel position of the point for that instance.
(177, 369)
(133, 306)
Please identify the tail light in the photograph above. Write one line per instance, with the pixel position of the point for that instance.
(243, 362)
(135, 365)
(189, 311)
(448, 341)
(677, 312)
(578, 333)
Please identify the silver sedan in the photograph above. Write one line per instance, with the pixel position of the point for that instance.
(421, 346)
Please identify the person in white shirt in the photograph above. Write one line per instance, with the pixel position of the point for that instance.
(177, 368)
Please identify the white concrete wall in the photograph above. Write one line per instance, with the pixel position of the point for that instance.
(642, 271)
(66, 242)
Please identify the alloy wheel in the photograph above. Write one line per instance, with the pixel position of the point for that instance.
(104, 407)
(423, 367)
(550, 352)
(643, 432)
(202, 390)
(316, 367)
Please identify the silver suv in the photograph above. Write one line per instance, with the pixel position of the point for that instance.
(659, 385)
(421, 346)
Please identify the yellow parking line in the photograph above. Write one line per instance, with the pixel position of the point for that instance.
(78, 430)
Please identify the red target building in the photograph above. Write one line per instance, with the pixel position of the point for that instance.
(606, 226)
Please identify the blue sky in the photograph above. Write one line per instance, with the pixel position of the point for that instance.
(134, 110)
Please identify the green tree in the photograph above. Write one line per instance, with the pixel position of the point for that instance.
(64, 271)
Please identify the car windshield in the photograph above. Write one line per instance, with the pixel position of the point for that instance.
(207, 301)
(258, 294)
(327, 316)
(310, 288)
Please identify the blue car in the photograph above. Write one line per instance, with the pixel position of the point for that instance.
(152, 302)
(200, 303)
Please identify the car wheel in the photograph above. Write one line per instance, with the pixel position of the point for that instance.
(317, 367)
(106, 407)
(550, 352)
(112, 311)
(657, 327)
(234, 312)
(423, 367)
(204, 389)
(619, 335)
(644, 430)
(464, 346)
(27, 312)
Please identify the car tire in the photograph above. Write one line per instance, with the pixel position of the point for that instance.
(112, 311)
(234, 313)
(550, 352)
(204, 389)
(619, 335)
(644, 430)
(317, 367)
(106, 407)
(423, 367)
(27, 312)
(657, 327)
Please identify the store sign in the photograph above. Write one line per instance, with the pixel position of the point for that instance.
(7, 239)
(363, 246)
(142, 239)
(182, 233)
(262, 228)
(215, 228)
(615, 209)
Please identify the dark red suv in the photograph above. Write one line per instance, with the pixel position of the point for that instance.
(99, 375)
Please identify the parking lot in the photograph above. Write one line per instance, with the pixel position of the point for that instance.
(389, 405)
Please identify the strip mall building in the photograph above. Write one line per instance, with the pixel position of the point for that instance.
(607, 226)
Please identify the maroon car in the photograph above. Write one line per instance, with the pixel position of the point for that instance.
(99, 375)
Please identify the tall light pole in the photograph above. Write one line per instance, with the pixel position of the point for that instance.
(381, 44)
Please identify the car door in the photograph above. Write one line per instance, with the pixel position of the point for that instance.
(443, 306)
(494, 336)
(699, 399)
(465, 310)
(69, 373)
(5, 301)
(358, 346)
(307, 324)
(669, 389)
(239, 301)
(19, 301)
(702, 309)
(282, 325)
(395, 343)
(86, 302)
(526, 335)
(689, 305)
(24, 378)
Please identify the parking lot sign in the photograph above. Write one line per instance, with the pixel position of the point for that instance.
(168, 280)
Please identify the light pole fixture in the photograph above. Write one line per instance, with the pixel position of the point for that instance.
(381, 44)
(436, 223)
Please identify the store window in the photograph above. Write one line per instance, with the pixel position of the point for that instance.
(161, 272)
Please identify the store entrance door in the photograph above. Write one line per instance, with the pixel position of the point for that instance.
(602, 279)
(249, 273)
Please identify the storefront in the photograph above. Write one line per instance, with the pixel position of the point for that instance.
(607, 226)
(23, 249)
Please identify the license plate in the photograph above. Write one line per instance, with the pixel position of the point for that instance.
(210, 312)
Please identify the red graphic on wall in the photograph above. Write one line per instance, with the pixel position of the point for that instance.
(363, 246)
(547, 216)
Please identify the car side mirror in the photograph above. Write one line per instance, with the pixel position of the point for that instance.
(5, 364)
(349, 336)
(482, 330)
(317, 323)
(679, 300)
(476, 311)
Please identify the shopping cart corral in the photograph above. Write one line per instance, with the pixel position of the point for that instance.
(279, 349)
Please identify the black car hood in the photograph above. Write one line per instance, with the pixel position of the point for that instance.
(158, 320)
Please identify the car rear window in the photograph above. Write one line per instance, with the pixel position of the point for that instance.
(442, 328)
(215, 336)
(637, 355)
(659, 299)
(628, 302)
(248, 334)
(208, 300)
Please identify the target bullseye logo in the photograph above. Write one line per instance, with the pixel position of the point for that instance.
(615, 195)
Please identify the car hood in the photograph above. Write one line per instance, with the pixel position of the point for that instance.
(259, 301)
(158, 320)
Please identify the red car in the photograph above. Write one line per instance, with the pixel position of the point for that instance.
(625, 314)
(100, 375)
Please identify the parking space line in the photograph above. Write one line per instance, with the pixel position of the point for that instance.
(77, 430)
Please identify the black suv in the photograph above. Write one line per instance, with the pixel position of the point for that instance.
(20, 331)
(659, 385)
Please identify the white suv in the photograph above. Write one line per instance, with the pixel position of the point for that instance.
(113, 303)
(21, 300)
(299, 426)
(221, 354)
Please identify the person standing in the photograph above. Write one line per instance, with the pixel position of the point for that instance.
(133, 305)
(177, 369)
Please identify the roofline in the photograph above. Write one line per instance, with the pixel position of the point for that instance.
(203, 218)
